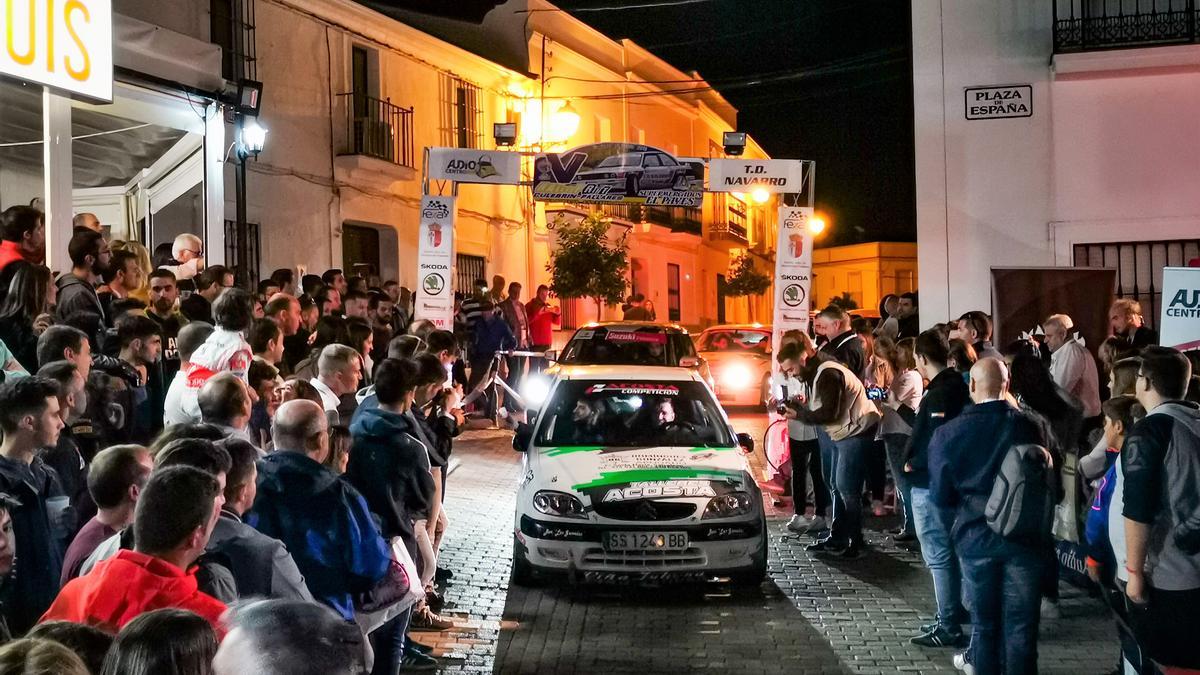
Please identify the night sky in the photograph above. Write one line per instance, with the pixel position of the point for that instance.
(839, 90)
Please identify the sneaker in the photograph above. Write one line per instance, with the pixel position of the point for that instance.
(852, 552)
(425, 620)
(816, 525)
(414, 646)
(1050, 609)
(961, 663)
(826, 546)
(928, 627)
(938, 637)
(416, 661)
(798, 524)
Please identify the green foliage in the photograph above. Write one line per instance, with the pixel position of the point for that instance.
(845, 301)
(586, 264)
(743, 279)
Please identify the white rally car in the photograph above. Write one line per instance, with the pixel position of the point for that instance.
(633, 473)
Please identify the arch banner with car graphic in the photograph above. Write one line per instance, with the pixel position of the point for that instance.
(435, 260)
(618, 173)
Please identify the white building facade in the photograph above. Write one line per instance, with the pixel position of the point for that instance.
(1100, 167)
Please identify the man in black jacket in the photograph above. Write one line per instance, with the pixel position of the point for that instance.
(78, 304)
(945, 398)
(30, 420)
(842, 342)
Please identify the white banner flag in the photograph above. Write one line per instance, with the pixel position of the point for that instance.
(793, 272)
(1179, 326)
(435, 262)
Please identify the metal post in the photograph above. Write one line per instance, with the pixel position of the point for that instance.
(240, 197)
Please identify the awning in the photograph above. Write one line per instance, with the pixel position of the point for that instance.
(166, 55)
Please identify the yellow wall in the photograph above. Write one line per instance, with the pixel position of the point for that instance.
(868, 271)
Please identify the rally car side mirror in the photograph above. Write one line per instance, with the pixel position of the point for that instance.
(551, 355)
(746, 443)
(522, 438)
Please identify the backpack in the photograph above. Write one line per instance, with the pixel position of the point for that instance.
(1021, 506)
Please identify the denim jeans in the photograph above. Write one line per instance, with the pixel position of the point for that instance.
(387, 642)
(895, 444)
(1005, 606)
(849, 474)
(828, 470)
(937, 549)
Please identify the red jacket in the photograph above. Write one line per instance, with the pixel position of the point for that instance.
(119, 589)
(10, 251)
(541, 322)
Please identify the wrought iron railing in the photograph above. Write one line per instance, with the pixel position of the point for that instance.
(1086, 25)
(378, 128)
(729, 230)
(231, 26)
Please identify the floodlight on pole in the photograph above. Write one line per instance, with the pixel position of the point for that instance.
(760, 196)
(816, 225)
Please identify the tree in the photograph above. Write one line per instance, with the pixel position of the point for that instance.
(845, 301)
(743, 279)
(586, 264)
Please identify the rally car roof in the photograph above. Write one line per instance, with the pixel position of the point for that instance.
(635, 325)
(636, 373)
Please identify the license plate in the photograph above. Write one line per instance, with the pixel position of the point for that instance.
(645, 541)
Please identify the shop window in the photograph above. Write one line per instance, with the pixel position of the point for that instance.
(462, 113)
(673, 305)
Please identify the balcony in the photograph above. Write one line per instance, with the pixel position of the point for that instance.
(377, 128)
(678, 218)
(1092, 25)
(730, 232)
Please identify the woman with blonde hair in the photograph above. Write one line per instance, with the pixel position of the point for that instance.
(899, 412)
(143, 261)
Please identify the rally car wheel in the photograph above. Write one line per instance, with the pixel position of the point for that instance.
(522, 571)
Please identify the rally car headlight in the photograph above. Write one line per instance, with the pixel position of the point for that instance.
(535, 390)
(737, 376)
(729, 505)
(558, 504)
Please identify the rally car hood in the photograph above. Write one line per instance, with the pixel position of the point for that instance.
(664, 471)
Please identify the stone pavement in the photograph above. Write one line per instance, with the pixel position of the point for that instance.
(815, 615)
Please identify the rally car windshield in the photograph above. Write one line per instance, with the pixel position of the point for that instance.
(619, 347)
(745, 341)
(632, 414)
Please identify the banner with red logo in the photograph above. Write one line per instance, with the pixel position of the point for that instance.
(435, 262)
(793, 272)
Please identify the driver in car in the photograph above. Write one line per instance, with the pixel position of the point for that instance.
(671, 430)
(586, 422)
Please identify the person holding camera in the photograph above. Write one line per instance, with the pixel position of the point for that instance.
(803, 447)
(839, 405)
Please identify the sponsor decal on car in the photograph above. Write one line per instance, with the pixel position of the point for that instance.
(653, 489)
(637, 336)
(638, 388)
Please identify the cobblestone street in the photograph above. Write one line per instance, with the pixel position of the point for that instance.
(813, 616)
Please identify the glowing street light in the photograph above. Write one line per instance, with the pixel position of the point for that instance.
(760, 196)
(816, 225)
(564, 123)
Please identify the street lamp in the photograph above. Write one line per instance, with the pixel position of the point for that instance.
(251, 137)
(564, 123)
(760, 196)
(816, 225)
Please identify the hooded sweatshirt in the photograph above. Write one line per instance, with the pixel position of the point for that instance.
(325, 525)
(390, 467)
(132, 583)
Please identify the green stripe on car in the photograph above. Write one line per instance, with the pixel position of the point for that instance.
(640, 475)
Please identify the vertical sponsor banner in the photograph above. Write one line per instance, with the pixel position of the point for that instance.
(435, 262)
(1179, 325)
(793, 272)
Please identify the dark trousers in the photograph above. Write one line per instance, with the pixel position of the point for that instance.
(1005, 609)
(387, 642)
(516, 371)
(481, 368)
(1166, 627)
(877, 471)
(895, 443)
(806, 462)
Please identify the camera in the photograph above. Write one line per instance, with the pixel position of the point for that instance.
(877, 393)
(782, 409)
